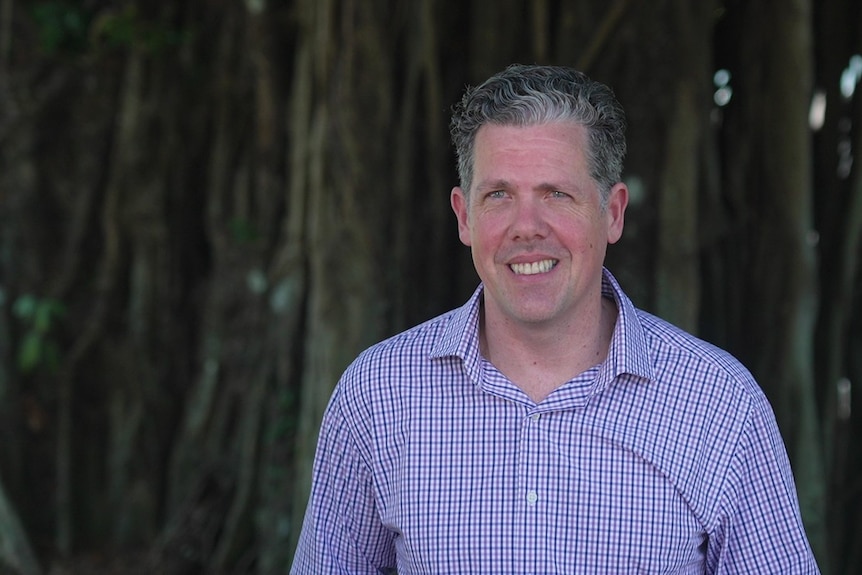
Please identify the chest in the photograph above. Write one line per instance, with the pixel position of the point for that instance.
(495, 487)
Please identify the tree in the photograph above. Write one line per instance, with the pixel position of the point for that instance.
(230, 200)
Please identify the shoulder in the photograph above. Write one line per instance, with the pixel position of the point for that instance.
(379, 392)
(654, 350)
(381, 372)
(695, 414)
(401, 350)
(679, 356)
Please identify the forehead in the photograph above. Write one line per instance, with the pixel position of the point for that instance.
(558, 147)
(564, 133)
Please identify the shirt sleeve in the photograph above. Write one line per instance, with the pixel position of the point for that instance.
(342, 532)
(760, 530)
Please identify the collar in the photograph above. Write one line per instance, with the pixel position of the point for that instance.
(628, 352)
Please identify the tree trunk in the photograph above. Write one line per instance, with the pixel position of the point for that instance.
(781, 290)
(344, 96)
(232, 200)
(678, 246)
(838, 204)
(15, 550)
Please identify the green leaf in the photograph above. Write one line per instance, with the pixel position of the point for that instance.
(42, 319)
(24, 307)
(50, 355)
(58, 309)
(61, 25)
(30, 352)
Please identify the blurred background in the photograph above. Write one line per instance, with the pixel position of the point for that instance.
(207, 208)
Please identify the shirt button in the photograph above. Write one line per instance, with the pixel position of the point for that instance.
(532, 497)
(535, 416)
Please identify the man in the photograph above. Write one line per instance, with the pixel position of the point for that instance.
(548, 426)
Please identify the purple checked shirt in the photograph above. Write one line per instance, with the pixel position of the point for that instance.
(666, 458)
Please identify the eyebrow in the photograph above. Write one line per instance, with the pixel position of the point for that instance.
(493, 185)
(546, 187)
(501, 184)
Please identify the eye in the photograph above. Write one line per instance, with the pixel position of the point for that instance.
(556, 194)
(496, 194)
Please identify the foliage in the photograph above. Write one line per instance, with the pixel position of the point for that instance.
(232, 224)
(66, 27)
(126, 28)
(62, 26)
(243, 231)
(38, 347)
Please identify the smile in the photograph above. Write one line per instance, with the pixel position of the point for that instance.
(529, 269)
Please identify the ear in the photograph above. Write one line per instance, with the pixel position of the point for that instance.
(618, 199)
(460, 205)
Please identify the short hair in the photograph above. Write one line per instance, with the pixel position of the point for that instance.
(528, 95)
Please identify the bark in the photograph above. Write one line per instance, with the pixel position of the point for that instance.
(349, 90)
(495, 37)
(678, 246)
(6, 9)
(233, 200)
(839, 224)
(215, 471)
(843, 367)
(15, 550)
(782, 286)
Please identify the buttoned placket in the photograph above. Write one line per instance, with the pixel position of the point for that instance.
(530, 486)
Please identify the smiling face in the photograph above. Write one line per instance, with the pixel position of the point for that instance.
(535, 224)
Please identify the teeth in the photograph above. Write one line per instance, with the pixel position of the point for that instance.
(541, 267)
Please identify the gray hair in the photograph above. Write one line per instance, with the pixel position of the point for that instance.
(530, 95)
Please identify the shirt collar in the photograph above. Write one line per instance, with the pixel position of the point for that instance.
(629, 350)
(460, 337)
(628, 353)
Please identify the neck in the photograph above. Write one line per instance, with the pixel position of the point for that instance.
(539, 359)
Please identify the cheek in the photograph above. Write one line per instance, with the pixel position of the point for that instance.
(586, 243)
(487, 229)
(580, 242)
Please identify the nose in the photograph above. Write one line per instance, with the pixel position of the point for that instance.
(528, 220)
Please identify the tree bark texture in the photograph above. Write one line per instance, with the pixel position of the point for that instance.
(223, 203)
(16, 552)
(780, 279)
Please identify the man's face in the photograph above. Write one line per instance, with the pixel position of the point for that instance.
(535, 224)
